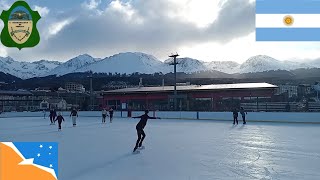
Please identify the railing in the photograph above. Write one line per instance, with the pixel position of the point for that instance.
(281, 107)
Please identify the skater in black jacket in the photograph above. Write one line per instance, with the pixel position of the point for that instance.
(111, 114)
(74, 115)
(52, 115)
(243, 113)
(235, 115)
(59, 119)
(140, 126)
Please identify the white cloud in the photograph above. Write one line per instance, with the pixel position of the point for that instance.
(201, 13)
(3, 51)
(91, 4)
(56, 27)
(43, 11)
(125, 10)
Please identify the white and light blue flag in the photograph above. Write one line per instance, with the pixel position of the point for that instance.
(288, 20)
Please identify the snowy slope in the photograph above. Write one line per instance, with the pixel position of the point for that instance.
(214, 150)
(229, 67)
(315, 63)
(129, 62)
(26, 70)
(72, 65)
(187, 65)
(263, 63)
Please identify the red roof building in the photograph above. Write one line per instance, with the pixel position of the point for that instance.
(215, 97)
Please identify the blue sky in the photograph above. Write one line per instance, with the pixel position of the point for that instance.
(206, 30)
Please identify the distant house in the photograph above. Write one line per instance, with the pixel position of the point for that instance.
(44, 105)
(59, 104)
(74, 87)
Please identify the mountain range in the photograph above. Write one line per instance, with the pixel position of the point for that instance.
(131, 62)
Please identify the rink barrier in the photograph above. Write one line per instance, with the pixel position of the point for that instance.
(286, 117)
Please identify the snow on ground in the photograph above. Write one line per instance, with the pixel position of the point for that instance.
(175, 149)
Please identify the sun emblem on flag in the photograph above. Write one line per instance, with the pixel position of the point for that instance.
(288, 20)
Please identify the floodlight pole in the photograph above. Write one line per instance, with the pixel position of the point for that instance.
(91, 91)
(174, 56)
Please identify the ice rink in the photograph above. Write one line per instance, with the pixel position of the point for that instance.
(175, 149)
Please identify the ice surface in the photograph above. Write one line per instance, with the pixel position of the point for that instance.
(175, 149)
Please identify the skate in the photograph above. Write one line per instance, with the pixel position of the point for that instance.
(135, 151)
(141, 147)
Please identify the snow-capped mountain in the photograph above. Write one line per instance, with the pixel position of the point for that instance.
(229, 67)
(260, 63)
(26, 70)
(187, 65)
(263, 63)
(73, 64)
(129, 62)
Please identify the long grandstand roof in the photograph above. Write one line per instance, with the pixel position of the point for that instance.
(193, 88)
(17, 93)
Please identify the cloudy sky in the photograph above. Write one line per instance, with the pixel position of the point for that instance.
(203, 29)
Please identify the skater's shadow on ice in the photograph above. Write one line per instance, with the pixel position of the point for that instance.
(233, 126)
(236, 126)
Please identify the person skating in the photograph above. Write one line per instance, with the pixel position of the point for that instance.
(235, 116)
(140, 126)
(243, 113)
(59, 119)
(104, 115)
(111, 114)
(44, 114)
(74, 115)
(52, 115)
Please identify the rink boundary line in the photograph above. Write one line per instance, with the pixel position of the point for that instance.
(272, 121)
(205, 119)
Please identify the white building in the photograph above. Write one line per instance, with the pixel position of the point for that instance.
(74, 87)
(59, 104)
(292, 90)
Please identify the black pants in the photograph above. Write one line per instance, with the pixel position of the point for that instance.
(104, 117)
(59, 125)
(244, 119)
(235, 119)
(111, 117)
(141, 136)
(52, 119)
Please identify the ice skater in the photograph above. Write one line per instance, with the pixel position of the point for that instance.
(140, 126)
(104, 115)
(74, 115)
(235, 116)
(243, 113)
(52, 115)
(44, 114)
(111, 114)
(59, 119)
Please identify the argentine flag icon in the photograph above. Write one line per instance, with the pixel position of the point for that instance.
(287, 20)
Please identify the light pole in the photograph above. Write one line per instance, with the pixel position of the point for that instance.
(91, 91)
(174, 56)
